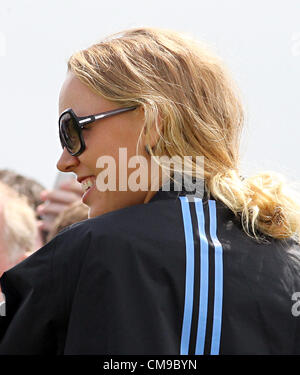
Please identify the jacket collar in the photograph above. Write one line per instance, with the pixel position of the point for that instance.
(174, 190)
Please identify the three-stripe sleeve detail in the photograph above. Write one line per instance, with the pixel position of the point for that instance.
(189, 280)
(203, 279)
(202, 317)
(217, 320)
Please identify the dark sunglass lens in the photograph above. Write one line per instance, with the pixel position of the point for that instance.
(68, 133)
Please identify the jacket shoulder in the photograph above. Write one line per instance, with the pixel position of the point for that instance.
(143, 220)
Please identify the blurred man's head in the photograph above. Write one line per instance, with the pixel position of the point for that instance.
(18, 228)
(31, 189)
(23, 185)
(77, 211)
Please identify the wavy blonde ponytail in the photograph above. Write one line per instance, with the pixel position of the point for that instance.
(265, 202)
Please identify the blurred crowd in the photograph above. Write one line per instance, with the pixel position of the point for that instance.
(30, 215)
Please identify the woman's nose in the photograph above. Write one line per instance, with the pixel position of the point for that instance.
(67, 162)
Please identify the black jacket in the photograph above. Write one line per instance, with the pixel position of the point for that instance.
(167, 277)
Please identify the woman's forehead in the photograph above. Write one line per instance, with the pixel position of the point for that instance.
(76, 95)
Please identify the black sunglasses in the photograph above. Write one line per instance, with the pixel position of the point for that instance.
(70, 128)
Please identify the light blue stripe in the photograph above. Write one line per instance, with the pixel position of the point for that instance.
(203, 299)
(217, 321)
(189, 277)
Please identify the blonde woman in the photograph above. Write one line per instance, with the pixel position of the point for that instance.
(214, 270)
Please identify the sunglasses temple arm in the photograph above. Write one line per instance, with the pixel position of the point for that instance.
(89, 119)
(85, 120)
(112, 113)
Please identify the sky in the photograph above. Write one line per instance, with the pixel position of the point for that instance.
(258, 40)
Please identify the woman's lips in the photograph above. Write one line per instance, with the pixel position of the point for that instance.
(88, 185)
(87, 193)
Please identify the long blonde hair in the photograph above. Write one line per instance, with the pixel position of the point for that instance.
(190, 98)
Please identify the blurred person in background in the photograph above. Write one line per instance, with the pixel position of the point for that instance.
(18, 228)
(32, 190)
(47, 203)
(23, 185)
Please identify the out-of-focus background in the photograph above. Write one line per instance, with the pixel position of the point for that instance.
(259, 41)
